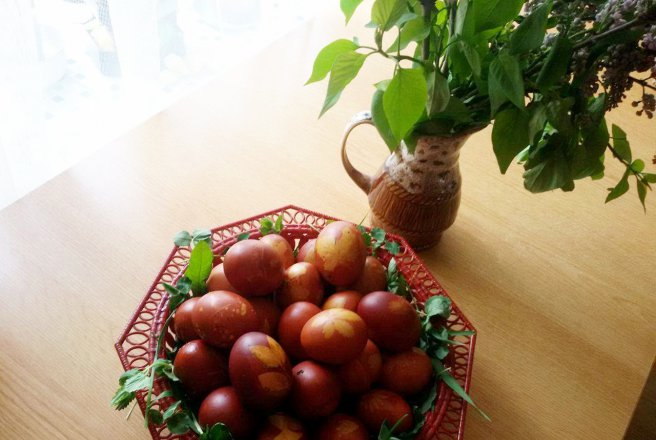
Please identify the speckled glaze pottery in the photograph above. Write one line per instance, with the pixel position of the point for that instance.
(414, 195)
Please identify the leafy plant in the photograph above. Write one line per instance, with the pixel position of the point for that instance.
(544, 72)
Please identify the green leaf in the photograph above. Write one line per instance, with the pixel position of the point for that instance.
(560, 116)
(404, 100)
(348, 7)
(155, 416)
(587, 158)
(218, 432)
(530, 32)
(200, 266)
(537, 120)
(392, 247)
(550, 169)
(638, 165)
(122, 399)
(438, 92)
(472, 56)
(505, 81)
(510, 135)
(176, 297)
(162, 395)
(464, 19)
(182, 238)
(180, 423)
(642, 193)
(557, 62)
(386, 13)
(438, 305)
(490, 14)
(366, 236)
(327, 56)
(201, 235)
(345, 68)
(243, 236)
(170, 411)
(137, 382)
(378, 234)
(266, 226)
(380, 121)
(452, 383)
(649, 177)
(278, 226)
(620, 189)
(414, 30)
(621, 144)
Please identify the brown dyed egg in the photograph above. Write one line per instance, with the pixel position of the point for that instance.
(316, 390)
(201, 368)
(342, 427)
(290, 325)
(282, 248)
(340, 253)
(373, 277)
(358, 375)
(380, 406)
(334, 336)
(392, 321)
(223, 406)
(347, 299)
(183, 325)
(221, 317)
(306, 252)
(282, 427)
(268, 314)
(302, 283)
(253, 267)
(218, 281)
(407, 372)
(260, 371)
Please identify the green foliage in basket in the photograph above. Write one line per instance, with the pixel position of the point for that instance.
(544, 72)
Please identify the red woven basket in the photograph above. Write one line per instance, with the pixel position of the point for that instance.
(136, 346)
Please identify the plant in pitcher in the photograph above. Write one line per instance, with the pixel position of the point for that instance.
(543, 72)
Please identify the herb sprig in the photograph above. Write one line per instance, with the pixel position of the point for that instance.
(376, 238)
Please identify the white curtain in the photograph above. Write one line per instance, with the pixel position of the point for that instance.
(75, 74)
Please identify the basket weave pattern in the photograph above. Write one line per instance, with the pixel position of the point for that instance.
(137, 344)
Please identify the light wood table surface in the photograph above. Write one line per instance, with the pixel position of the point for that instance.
(560, 286)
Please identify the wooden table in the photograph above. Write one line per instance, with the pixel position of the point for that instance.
(560, 286)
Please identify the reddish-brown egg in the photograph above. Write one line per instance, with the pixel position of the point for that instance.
(316, 390)
(340, 253)
(282, 427)
(218, 281)
(282, 248)
(380, 406)
(268, 314)
(223, 406)
(306, 252)
(183, 325)
(347, 299)
(392, 321)
(260, 371)
(373, 277)
(221, 317)
(358, 375)
(342, 427)
(201, 368)
(253, 267)
(334, 336)
(302, 283)
(407, 372)
(290, 325)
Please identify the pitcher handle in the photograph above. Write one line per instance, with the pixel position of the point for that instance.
(360, 179)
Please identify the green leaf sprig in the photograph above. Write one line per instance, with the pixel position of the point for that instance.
(376, 239)
(184, 238)
(268, 226)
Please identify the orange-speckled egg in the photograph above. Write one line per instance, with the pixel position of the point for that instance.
(282, 427)
(392, 321)
(347, 299)
(221, 317)
(373, 277)
(334, 336)
(358, 375)
(342, 427)
(340, 253)
(302, 283)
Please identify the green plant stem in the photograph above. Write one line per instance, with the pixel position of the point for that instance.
(642, 83)
(428, 9)
(393, 57)
(629, 24)
(629, 166)
(160, 340)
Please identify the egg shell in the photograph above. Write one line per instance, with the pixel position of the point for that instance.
(218, 281)
(346, 299)
(342, 427)
(253, 267)
(183, 324)
(282, 427)
(260, 371)
(291, 324)
(334, 336)
(268, 313)
(340, 253)
(406, 373)
(373, 277)
(392, 321)
(316, 391)
(221, 317)
(302, 282)
(282, 248)
(201, 368)
(224, 406)
(306, 252)
(378, 406)
(358, 375)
